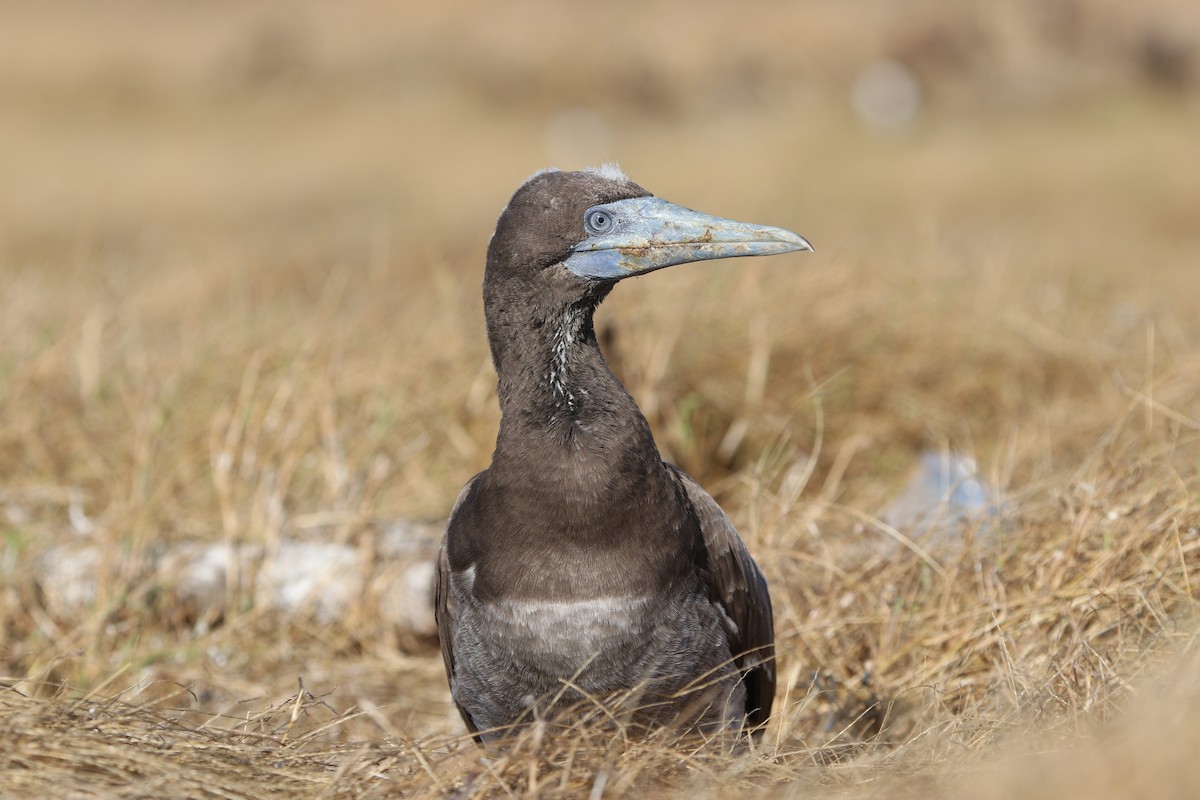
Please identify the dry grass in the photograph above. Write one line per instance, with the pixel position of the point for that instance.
(240, 249)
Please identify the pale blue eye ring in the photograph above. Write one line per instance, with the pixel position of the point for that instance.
(598, 221)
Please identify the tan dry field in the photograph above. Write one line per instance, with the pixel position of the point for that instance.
(240, 253)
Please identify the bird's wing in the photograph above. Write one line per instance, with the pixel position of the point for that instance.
(443, 606)
(739, 586)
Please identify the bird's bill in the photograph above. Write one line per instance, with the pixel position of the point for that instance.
(649, 233)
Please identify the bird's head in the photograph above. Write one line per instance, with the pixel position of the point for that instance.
(584, 231)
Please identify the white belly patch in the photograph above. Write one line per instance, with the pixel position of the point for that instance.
(569, 633)
(570, 629)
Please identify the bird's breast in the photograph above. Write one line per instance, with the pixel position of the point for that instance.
(529, 545)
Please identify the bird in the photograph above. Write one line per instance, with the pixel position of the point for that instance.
(580, 568)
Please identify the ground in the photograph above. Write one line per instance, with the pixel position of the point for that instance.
(241, 248)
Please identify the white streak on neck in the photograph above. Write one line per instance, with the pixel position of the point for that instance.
(561, 343)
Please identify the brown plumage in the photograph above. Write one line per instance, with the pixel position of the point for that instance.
(580, 565)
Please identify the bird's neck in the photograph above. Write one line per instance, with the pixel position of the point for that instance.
(556, 390)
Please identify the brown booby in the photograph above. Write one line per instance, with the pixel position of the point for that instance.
(580, 567)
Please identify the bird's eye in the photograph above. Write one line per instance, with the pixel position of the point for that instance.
(598, 221)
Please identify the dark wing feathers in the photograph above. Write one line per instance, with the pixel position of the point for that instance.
(740, 587)
(443, 605)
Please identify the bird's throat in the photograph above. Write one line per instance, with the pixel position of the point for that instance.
(557, 389)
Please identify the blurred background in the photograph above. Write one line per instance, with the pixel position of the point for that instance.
(197, 154)
(143, 125)
(241, 247)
